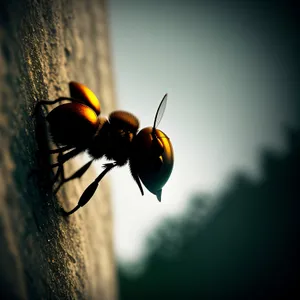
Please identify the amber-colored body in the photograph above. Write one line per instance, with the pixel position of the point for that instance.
(153, 166)
(73, 124)
(77, 126)
(83, 93)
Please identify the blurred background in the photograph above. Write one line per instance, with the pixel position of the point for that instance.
(227, 226)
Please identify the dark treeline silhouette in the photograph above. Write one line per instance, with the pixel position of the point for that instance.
(248, 248)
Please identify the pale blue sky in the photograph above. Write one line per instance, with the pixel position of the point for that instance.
(230, 80)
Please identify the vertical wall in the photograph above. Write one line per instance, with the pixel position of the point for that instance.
(43, 255)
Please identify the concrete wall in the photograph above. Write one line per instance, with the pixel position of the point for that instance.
(43, 255)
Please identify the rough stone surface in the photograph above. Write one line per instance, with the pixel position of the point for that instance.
(43, 255)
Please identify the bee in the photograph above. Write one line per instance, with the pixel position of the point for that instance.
(76, 126)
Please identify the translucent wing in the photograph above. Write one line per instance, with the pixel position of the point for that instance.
(160, 111)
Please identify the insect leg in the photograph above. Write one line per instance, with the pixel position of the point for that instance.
(135, 176)
(65, 157)
(61, 170)
(61, 149)
(90, 190)
(62, 158)
(138, 182)
(50, 102)
(77, 174)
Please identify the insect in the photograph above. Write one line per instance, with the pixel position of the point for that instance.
(77, 126)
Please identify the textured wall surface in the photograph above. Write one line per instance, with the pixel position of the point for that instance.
(44, 255)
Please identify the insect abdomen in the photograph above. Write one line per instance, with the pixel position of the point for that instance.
(73, 124)
(153, 168)
(84, 94)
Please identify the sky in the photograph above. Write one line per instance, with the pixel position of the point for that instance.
(228, 70)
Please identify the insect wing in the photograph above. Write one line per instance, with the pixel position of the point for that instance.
(160, 111)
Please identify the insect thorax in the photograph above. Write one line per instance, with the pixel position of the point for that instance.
(112, 142)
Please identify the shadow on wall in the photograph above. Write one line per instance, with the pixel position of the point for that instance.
(249, 249)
